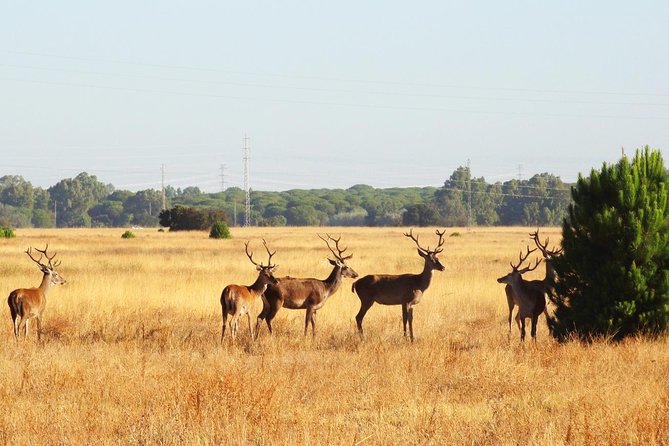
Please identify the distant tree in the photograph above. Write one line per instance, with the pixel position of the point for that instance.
(452, 198)
(73, 198)
(421, 215)
(612, 278)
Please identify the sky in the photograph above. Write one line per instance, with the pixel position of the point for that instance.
(330, 94)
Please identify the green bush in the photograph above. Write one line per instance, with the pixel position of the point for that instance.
(7, 233)
(612, 278)
(219, 230)
(128, 234)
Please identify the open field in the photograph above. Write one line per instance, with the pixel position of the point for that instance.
(130, 352)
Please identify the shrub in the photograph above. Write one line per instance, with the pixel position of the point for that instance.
(219, 230)
(181, 218)
(612, 277)
(7, 233)
(128, 234)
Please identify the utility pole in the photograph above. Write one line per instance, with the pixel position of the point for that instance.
(469, 195)
(520, 172)
(222, 177)
(55, 214)
(162, 172)
(247, 204)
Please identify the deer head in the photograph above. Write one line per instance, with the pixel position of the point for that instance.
(430, 255)
(339, 259)
(516, 272)
(48, 269)
(265, 272)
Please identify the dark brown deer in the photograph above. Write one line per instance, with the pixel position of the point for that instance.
(237, 300)
(403, 289)
(306, 294)
(549, 279)
(528, 295)
(29, 303)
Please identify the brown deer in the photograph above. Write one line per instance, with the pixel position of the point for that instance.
(29, 303)
(403, 289)
(306, 294)
(529, 295)
(237, 300)
(549, 280)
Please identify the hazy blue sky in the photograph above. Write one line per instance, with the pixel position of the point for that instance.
(331, 94)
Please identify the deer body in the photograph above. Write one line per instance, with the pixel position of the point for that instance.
(238, 300)
(305, 294)
(29, 303)
(528, 295)
(403, 289)
(548, 281)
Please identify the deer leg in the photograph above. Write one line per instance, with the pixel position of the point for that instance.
(518, 319)
(225, 321)
(522, 329)
(534, 327)
(404, 318)
(248, 317)
(17, 322)
(273, 309)
(410, 319)
(262, 315)
(364, 307)
(313, 323)
(307, 319)
(39, 327)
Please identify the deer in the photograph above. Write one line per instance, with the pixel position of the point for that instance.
(549, 280)
(306, 293)
(529, 295)
(29, 303)
(237, 300)
(403, 289)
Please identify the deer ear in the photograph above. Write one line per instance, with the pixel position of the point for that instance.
(259, 268)
(332, 262)
(420, 253)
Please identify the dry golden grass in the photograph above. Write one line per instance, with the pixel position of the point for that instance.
(130, 352)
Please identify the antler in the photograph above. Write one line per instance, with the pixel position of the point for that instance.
(543, 247)
(437, 250)
(250, 255)
(269, 259)
(522, 258)
(43, 252)
(415, 239)
(338, 255)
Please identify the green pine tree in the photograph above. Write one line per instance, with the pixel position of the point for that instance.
(613, 275)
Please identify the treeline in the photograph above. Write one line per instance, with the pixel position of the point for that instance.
(84, 201)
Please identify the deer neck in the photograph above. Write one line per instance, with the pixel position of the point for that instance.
(45, 285)
(425, 277)
(334, 280)
(259, 286)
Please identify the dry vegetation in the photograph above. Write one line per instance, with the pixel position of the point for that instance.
(130, 351)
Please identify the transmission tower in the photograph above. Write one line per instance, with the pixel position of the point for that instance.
(247, 209)
(162, 183)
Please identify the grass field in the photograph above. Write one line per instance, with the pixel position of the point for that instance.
(130, 352)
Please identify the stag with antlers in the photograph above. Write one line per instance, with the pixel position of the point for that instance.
(404, 289)
(29, 303)
(549, 279)
(529, 295)
(237, 300)
(306, 294)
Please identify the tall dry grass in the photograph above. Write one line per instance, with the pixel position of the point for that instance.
(130, 351)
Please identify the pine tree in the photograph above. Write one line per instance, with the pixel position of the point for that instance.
(613, 275)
